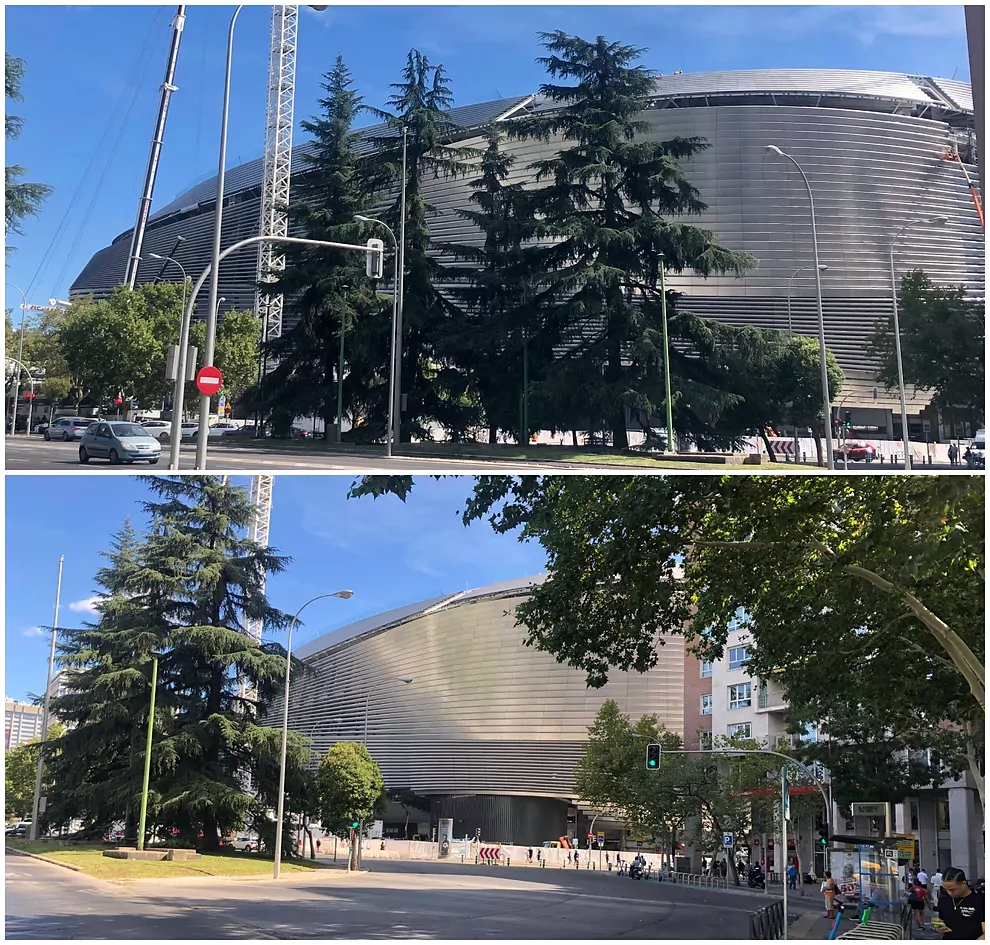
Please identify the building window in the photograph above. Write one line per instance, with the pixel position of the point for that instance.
(740, 696)
(706, 704)
(742, 729)
(705, 740)
(914, 815)
(706, 669)
(941, 815)
(738, 656)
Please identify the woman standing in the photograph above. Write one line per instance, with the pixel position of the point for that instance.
(829, 889)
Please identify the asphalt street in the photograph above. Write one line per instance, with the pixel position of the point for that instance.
(22, 453)
(394, 899)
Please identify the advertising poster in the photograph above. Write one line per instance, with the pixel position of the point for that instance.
(445, 834)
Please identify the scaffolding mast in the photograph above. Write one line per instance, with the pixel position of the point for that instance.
(261, 499)
(278, 164)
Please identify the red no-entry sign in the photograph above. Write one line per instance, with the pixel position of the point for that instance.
(209, 380)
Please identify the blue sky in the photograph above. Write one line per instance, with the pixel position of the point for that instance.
(387, 552)
(90, 66)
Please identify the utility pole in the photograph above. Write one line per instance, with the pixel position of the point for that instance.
(144, 204)
(36, 803)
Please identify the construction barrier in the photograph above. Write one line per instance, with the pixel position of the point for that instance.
(769, 922)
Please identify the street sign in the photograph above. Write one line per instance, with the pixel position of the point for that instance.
(728, 840)
(221, 401)
(639, 841)
(208, 380)
(591, 836)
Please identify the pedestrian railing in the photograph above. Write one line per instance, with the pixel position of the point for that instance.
(768, 923)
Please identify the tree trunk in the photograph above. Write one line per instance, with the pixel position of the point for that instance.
(574, 437)
(492, 434)
(818, 446)
(766, 443)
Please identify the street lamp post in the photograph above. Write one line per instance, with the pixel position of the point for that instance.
(204, 405)
(343, 595)
(20, 355)
(941, 221)
(147, 753)
(402, 296)
(826, 399)
(790, 331)
(340, 377)
(670, 446)
(393, 367)
(36, 802)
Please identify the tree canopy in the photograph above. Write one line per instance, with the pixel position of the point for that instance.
(349, 786)
(184, 590)
(839, 581)
(21, 199)
(942, 343)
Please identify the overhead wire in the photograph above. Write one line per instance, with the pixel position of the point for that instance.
(133, 82)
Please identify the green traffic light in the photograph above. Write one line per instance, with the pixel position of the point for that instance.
(653, 763)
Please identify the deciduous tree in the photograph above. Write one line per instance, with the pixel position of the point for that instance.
(349, 786)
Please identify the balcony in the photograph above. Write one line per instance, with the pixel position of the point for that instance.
(770, 699)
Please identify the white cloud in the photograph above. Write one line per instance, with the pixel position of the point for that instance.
(86, 606)
(35, 632)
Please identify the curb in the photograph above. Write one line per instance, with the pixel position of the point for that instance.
(44, 859)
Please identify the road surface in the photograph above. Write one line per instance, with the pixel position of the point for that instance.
(395, 899)
(35, 454)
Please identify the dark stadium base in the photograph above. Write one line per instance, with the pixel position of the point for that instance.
(503, 818)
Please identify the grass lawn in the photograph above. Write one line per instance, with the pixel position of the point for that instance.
(92, 862)
(502, 451)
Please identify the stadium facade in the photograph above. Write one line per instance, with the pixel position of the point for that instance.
(488, 729)
(871, 143)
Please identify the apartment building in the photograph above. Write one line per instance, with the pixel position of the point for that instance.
(21, 723)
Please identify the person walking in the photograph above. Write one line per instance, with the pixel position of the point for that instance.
(792, 876)
(529, 855)
(917, 898)
(318, 844)
(935, 889)
(829, 889)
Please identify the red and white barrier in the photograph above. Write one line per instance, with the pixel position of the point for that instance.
(490, 854)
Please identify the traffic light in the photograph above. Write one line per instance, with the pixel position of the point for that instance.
(375, 259)
(119, 401)
(652, 756)
(823, 836)
(355, 824)
(848, 419)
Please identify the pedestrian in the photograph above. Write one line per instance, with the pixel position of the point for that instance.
(724, 868)
(923, 879)
(936, 888)
(961, 911)
(569, 854)
(917, 897)
(953, 454)
(792, 876)
(319, 844)
(529, 855)
(539, 855)
(576, 858)
(829, 889)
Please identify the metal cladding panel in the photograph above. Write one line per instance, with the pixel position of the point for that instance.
(484, 714)
(871, 171)
(505, 819)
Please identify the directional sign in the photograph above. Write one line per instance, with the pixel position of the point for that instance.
(728, 840)
(209, 380)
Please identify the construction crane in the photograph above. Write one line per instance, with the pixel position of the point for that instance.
(278, 164)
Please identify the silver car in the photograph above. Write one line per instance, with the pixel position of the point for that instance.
(68, 428)
(119, 442)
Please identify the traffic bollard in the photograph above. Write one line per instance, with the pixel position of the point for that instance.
(508, 862)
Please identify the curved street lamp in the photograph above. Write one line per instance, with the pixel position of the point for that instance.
(343, 595)
(826, 399)
(790, 331)
(20, 354)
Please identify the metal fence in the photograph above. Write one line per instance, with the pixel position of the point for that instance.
(769, 922)
(694, 879)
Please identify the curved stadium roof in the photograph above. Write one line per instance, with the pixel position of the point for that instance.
(877, 91)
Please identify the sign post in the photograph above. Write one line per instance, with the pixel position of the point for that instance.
(785, 815)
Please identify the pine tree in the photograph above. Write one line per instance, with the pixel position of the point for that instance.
(435, 386)
(186, 590)
(605, 211)
(21, 199)
(497, 292)
(327, 290)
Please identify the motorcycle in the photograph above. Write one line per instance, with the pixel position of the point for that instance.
(635, 872)
(757, 879)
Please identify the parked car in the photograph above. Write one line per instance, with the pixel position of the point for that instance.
(40, 426)
(857, 452)
(161, 430)
(119, 441)
(245, 844)
(223, 428)
(17, 830)
(68, 428)
(977, 451)
(189, 429)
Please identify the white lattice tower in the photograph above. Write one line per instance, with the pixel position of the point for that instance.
(278, 163)
(261, 499)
